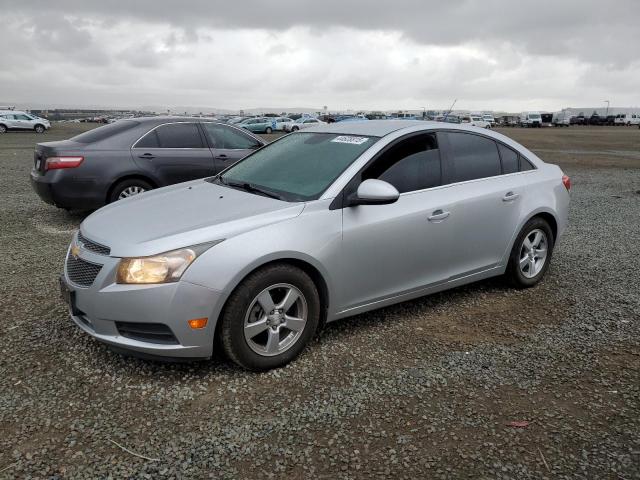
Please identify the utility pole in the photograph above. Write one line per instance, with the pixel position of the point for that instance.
(607, 102)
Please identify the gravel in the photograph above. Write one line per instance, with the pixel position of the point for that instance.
(424, 389)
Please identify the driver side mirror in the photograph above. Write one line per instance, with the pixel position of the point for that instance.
(374, 192)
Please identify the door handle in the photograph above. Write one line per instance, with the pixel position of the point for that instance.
(222, 157)
(438, 216)
(148, 156)
(510, 196)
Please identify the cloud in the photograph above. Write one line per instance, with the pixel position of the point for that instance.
(360, 54)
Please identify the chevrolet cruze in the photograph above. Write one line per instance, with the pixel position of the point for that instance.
(317, 226)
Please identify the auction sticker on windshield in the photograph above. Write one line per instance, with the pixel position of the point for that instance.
(350, 139)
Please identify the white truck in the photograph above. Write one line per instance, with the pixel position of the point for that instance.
(561, 118)
(627, 119)
(531, 119)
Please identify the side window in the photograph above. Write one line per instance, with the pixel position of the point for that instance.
(525, 164)
(179, 135)
(222, 136)
(509, 159)
(150, 140)
(473, 156)
(412, 164)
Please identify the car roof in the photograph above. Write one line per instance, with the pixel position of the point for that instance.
(169, 119)
(376, 128)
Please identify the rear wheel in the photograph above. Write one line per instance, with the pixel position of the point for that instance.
(39, 128)
(3, 129)
(531, 254)
(270, 317)
(268, 130)
(129, 188)
(294, 129)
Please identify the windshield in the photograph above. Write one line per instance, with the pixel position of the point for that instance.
(298, 167)
(534, 115)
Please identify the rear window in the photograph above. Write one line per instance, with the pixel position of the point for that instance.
(106, 131)
(474, 156)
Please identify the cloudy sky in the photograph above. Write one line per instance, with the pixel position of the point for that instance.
(360, 54)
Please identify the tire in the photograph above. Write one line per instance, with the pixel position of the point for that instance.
(3, 129)
(39, 128)
(255, 349)
(294, 129)
(128, 188)
(520, 277)
(268, 130)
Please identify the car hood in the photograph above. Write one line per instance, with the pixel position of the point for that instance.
(182, 215)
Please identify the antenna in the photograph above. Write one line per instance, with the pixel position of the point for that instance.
(450, 109)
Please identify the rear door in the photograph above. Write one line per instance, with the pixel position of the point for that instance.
(175, 152)
(393, 249)
(228, 144)
(486, 203)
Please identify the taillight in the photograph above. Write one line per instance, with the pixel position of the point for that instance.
(566, 181)
(54, 163)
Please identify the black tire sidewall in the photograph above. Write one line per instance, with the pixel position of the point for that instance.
(115, 192)
(3, 129)
(268, 130)
(232, 328)
(513, 268)
(39, 129)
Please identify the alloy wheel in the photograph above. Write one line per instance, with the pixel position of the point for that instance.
(131, 191)
(275, 319)
(533, 253)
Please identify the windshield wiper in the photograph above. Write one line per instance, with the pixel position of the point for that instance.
(250, 187)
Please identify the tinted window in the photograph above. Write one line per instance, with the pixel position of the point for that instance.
(150, 140)
(525, 165)
(179, 135)
(411, 164)
(473, 156)
(221, 136)
(22, 117)
(509, 159)
(299, 166)
(106, 131)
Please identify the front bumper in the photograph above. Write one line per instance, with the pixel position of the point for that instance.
(106, 310)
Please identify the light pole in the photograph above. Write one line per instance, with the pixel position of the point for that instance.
(607, 102)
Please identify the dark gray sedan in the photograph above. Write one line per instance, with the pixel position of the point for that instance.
(132, 156)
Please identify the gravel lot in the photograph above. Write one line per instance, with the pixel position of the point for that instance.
(424, 389)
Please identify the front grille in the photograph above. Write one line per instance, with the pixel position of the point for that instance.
(147, 332)
(93, 246)
(81, 272)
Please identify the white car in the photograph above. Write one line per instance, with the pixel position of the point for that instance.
(16, 120)
(531, 119)
(302, 123)
(281, 122)
(476, 121)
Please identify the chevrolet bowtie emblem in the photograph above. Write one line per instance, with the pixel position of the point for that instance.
(75, 251)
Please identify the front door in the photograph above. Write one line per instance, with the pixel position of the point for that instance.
(174, 153)
(390, 250)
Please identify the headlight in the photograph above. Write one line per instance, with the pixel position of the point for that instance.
(164, 268)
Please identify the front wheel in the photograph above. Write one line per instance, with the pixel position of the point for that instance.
(294, 129)
(39, 129)
(531, 254)
(128, 188)
(3, 129)
(270, 317)
(268, 130)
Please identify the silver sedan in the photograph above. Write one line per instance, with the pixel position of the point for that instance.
(320, 225)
